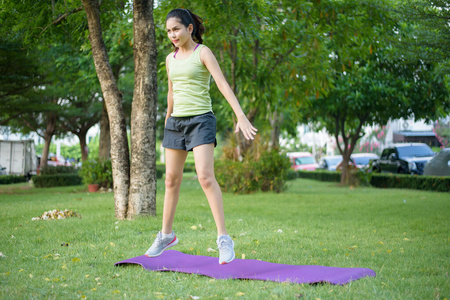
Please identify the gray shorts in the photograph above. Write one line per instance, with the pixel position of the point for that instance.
(185, 133)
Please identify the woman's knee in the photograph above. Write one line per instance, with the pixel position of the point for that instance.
(172, 180)
(206, 180)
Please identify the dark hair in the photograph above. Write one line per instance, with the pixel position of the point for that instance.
(186, 17)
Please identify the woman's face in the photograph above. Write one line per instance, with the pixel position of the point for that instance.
(177, 32)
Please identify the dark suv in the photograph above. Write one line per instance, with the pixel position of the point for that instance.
(404, 158)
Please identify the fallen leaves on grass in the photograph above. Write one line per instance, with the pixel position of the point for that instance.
(56, 214)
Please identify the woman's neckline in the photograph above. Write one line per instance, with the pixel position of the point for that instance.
(174, 56)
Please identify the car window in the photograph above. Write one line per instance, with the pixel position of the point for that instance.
(323, 163)
(334, 161)
(304, 160)
(415, 151)
(362, 160)
(385, 154)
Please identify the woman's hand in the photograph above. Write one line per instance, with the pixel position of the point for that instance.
(246, 128)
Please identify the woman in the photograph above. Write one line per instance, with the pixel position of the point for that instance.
(191, 126)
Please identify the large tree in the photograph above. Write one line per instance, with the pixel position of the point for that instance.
(370, 81)
(142, 190)
(39, 23)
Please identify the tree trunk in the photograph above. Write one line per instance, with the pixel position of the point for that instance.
(113, 99)
(45, 150)
(347, 150)
(104, 148)
(244, 144)
(48, 135)
(84, 151)
(275, 121)
(345, 175)
(143, 115)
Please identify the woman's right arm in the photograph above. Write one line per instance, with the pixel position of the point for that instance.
(169, 92)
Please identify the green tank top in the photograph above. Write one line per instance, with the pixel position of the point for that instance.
(190, 82)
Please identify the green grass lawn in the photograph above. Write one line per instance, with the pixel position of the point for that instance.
(403, 235)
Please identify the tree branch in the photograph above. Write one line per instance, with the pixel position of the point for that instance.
(3, 122)
(61, 18)
(336, 133)
(281, 57)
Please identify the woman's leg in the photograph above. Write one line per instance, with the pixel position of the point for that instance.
(204, 164)
(175, 160)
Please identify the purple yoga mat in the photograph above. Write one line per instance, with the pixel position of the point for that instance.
(175, 261)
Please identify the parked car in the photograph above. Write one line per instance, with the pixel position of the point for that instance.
(359, 161)
(439, 165)
(329, 162)
(362, 160)
(302, 161)
(407, 158)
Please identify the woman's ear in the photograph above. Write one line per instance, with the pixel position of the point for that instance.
(191, 28)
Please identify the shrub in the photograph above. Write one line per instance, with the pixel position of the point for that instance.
(97, 172)
(321, 175)
(404, 181)
(273, 169)
(188, 168)
(52, 170)
(41, 181)
(267, 171)
(9, 179)
(292, 174)
(400, 181)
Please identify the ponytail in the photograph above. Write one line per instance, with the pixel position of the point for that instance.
(186, 17)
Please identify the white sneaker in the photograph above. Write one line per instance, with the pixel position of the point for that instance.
(160, 244)
(226, 249)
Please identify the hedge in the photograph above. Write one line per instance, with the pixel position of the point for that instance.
(161, 169)
(41, 181)
(403, 181)
(52, 170)
(398, 181)
(9, 179)
(321, 175)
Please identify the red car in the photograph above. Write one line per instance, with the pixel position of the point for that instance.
(302, 161)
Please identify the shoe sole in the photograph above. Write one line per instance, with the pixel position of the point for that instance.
(171, 244)
(227, 262)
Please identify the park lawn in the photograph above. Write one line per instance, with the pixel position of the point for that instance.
(403, 235)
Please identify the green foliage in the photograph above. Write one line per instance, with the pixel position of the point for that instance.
(97, 172)
(52, 170)
(321, 175)
(9, 179)
(273, 168)
(160, 170)
(401, 181)
(53, 180)
(266, 172)
(424, 29)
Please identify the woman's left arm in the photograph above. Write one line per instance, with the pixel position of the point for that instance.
(243, 124)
